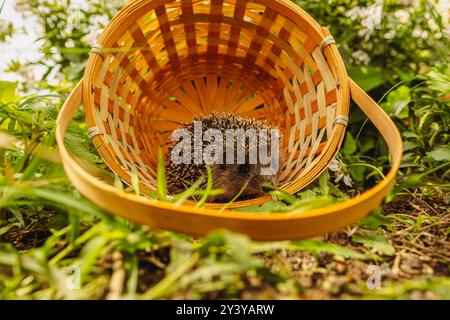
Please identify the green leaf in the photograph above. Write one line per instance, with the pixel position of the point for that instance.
(441, 153)
(409, 145)
(376, 242)
(366, 77)
(283, 196)
(307, 195)
(74, 71)
(397, 102)
(76, 144)
(269, 206)
(375, 220)
(324, 180)
(357, 173)
(439, 79)
(7, 91)
(409, 134)
(366, 144)
(349, 147)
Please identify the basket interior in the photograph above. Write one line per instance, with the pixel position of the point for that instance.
(163, 62)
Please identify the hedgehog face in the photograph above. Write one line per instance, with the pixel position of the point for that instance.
(230, 177)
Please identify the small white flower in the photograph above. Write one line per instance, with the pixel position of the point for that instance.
(355, 13)
(74, 19)
(437, 35)
(338, 167)
(365, 33)
(97, 25)
(347, 180)
(424, 34)
(339, 178)
(334, 165)
(419, 33)
(81, 5)
(402, 15)
(98, 21)
(61, 3)
(91, 37)
(390, 34)
(361, 56)
(369, 17)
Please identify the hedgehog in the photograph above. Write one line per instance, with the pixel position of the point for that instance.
(229, 173)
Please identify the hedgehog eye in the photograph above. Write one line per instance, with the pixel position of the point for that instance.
(244, 168)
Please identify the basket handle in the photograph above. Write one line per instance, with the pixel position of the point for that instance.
(277, 226)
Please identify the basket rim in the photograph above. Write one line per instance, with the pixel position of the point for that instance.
(133, 10)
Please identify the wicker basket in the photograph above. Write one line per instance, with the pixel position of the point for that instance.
(160, 62)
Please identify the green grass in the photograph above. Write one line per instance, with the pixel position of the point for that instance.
(55, 244)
